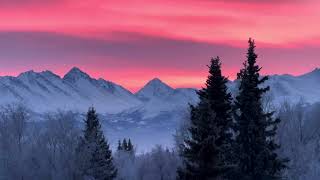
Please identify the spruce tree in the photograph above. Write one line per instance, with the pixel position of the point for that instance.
(119, 148)
(130, 146)
(94, 154)
(207, 152)
(219, 99)
(124, 144)
(255, 145)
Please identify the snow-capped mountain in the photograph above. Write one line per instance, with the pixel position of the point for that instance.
(295, 88)
(159, 97)
(154, 89)
(155, 109)
(46, 91)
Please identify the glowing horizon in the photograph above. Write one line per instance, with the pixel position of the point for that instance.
(131, 42)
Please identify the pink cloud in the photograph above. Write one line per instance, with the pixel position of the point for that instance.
(204, 21)
(123, 40)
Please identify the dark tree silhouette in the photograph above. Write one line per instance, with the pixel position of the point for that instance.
(255, 149)
(207, 153)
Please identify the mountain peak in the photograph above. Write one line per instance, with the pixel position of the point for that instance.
(30, 73)
(75, 74)
(49, 74)
(156, 81)
(27, 72)
(75, 70)
(317, 70)
(154, 88)
(315, 73)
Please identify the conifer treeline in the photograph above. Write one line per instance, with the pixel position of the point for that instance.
(125, 146)
(232, 143)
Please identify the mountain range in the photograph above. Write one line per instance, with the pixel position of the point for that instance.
(155, 109)
(46, 91)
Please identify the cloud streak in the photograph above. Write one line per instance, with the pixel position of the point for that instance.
(204, 21)
(132, 59)
(133, 41)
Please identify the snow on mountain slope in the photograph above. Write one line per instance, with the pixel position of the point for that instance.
(288, 88)
(156, 109)
(154, 89)
(159, 97)
(295, 88)
(106, 96)
(164, 107)
(46, 91)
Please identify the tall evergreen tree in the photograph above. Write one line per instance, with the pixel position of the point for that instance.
(119, 148)
(219, 100)
(130, 146)
(255, 145)
(94, 154)
(124, 144)
(207, 153)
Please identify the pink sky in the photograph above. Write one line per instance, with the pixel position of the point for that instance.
(132, 41)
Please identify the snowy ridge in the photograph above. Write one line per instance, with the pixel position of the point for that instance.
(159, 97)
(154, 89)
(295, 88)
(46, 91)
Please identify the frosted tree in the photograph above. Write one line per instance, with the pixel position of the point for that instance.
(299, 134)
(59, 140)
(13, 138)
(125, 160)
(159, 164)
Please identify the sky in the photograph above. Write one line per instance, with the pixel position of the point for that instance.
(132, 41)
